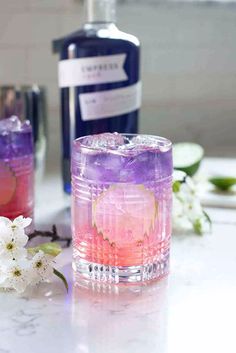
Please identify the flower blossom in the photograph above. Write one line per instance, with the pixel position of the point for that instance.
(21, 267)
(188, 214)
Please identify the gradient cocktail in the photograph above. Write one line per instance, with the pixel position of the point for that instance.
(16, 168)
(121, 208)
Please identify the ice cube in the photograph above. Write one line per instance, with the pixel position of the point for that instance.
(127, 145)
(152, 142)
(102, 166)
(140, 167)
(146, 141)
(104, 141)
(10, 124)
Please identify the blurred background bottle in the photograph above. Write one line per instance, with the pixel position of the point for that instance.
(99, 79)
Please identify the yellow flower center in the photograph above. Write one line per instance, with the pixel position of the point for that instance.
(39, 264)
(17, 273)
(9, 246)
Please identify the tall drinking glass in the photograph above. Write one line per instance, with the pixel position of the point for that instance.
(28, 102)
(121, 208)
(16, 168)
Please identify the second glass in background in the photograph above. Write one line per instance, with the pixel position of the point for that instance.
(28, 102)
(16, 168)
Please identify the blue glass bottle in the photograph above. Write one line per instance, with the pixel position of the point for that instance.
(98, 79)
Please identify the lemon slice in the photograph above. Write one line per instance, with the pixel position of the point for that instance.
(125, 213)
(7, 183)
(187, 156)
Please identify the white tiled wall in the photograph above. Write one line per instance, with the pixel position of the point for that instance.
(188, 62)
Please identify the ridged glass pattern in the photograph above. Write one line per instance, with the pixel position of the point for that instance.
(98, 258)
(121, 207)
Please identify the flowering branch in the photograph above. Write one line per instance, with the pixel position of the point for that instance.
(50, 234)
(21, 267)
(188, 214)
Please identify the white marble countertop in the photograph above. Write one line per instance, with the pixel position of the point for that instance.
(194, 310)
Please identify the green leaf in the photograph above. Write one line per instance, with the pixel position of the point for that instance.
(197, 226)
(52, 249)
(62, 277)
(176, 186)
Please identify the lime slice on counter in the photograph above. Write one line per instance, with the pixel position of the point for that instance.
(223, 183)
(125, 213)
(7, 183)
(187, 156)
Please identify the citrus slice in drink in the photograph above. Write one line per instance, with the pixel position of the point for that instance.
(7, 183)
(187, 156)
(124, 214)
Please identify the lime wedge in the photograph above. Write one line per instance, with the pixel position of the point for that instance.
(187, 157)
(223, 183)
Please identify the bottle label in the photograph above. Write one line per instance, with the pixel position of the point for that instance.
(110, 103)
(92, 70)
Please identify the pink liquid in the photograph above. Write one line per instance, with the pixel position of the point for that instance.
(16, 190)
(91, 246)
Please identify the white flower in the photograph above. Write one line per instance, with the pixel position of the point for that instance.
(12, 247)
(4, 229)
(18, 269)
(193, 209)
(188, 214)
(41, 265)
(16, 275)
(21, 222)
(13, 238)
(17, 226)
(178, 207)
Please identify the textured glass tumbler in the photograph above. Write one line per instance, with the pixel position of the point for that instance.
(16, 169)
(121, 207)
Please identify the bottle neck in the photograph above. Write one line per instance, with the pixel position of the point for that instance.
(101, 11)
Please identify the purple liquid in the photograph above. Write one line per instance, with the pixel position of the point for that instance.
(139, 164)
(15, 138)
